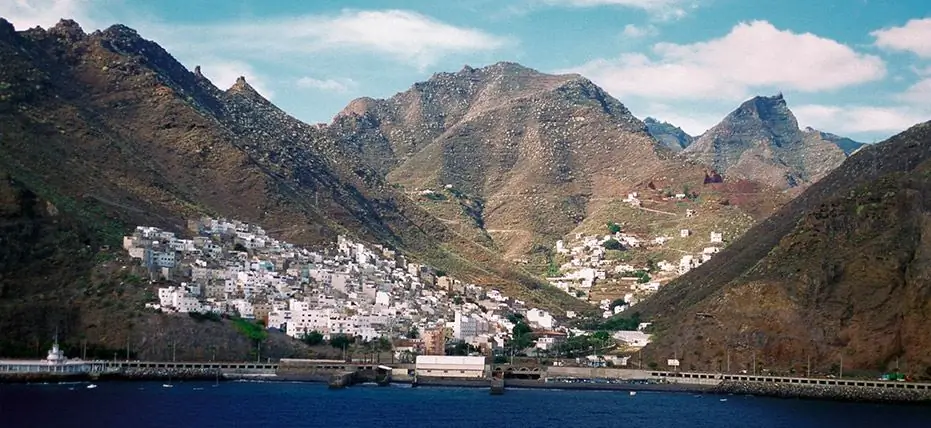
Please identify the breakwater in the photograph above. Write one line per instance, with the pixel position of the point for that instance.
(824, 392)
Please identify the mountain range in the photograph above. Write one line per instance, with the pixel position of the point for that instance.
(476, 172)
(105, 131)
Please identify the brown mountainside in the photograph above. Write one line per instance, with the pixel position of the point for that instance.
(106, 131)
(841, 272)
(527, 156)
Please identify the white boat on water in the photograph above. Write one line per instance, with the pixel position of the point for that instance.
(91, 386)
(633, 392)
(167, 385)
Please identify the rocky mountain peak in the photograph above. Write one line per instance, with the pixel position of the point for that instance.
(7, 31)
(358, 107)
(772, 112)
(761, 140)
(68, 29)
(120, 32)
(243, 88)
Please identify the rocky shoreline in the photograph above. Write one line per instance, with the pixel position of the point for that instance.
(824, 392)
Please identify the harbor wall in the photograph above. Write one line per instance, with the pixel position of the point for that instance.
(825, 392)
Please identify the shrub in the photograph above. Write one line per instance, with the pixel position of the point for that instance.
(612, 244)
(313, 338)
(613, 227)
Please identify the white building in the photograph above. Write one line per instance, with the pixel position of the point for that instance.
(717, 237)
(634, 339)
(449, 366)
(467, 327)
(541, 318)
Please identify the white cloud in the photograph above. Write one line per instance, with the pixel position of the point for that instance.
(25, 14)
(638, 31)
(330, 85)
(858, 119)
(223, 74)
(661, 9)
(753, 56)
(922, 71)
(919, 93)
(914, 36)
(402, 35)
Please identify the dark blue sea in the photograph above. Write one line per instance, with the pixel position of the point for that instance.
(269, 405)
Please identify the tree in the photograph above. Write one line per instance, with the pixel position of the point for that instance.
(383, 344)
(643, 277)
(613, 227)
(612, 244)
(552, 270)
(413, 333)
(521, 336)
(312, 338)
(239, 247)
(340, 341)
(601, 337)
(460, 348)
(617, 302)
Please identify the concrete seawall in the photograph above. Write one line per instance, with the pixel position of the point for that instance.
(820, 392)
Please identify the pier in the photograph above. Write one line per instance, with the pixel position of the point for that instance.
(341, 374)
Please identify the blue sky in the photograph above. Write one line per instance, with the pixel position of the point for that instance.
(859, 68)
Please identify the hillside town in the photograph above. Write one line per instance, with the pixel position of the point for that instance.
(233, 268)
(588, 262)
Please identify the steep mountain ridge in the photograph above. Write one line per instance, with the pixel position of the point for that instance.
(839, 273)
(537, 154)
(761, 140)
(846, 144)
(111, 131)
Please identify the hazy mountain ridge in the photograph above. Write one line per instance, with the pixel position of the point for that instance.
(670, 135)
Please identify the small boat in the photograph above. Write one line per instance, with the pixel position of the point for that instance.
(167, 385)
(91, 386)
(198, 389)
(723, 400)
(633, 392)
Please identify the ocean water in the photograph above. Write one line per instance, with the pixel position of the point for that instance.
(269, 405)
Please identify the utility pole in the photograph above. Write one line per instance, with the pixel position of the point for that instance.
(727, 353)
(754, 363)
(841, 375)
(809, 367)
(127, 347)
